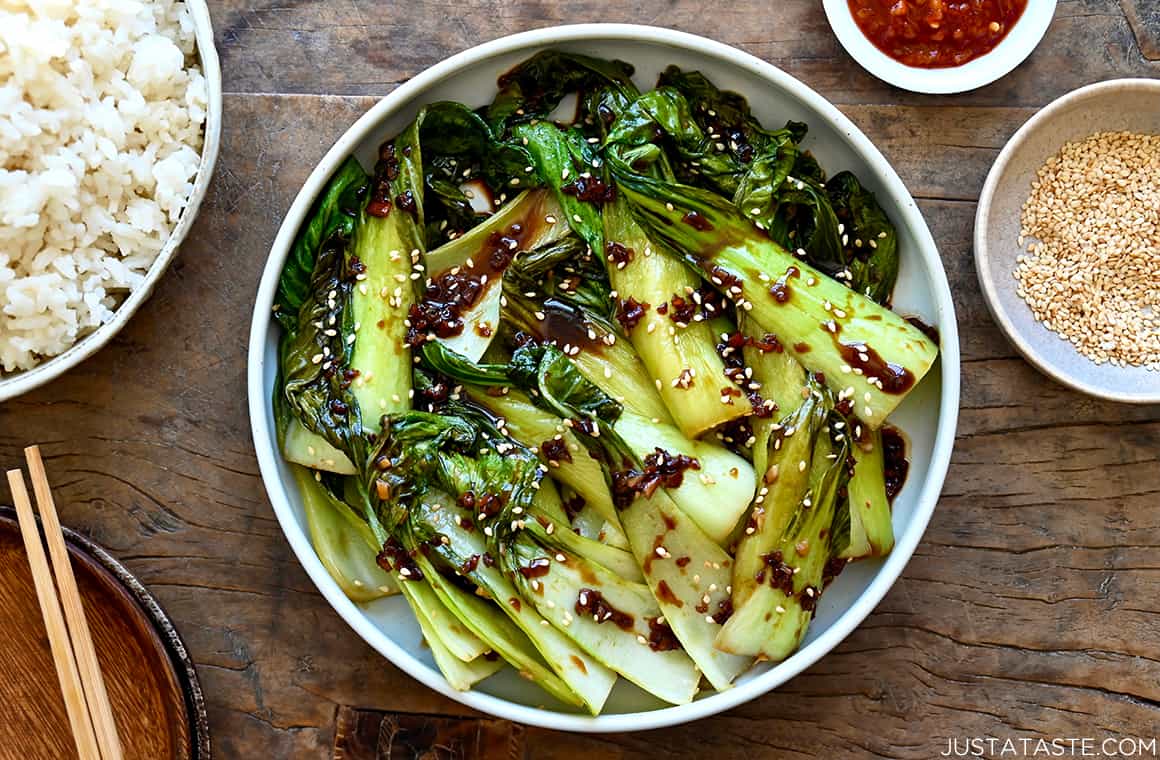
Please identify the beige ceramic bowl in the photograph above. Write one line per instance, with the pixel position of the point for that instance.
(16, 383)
(1117, 105)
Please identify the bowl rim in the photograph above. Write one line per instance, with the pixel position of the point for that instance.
(890, 569)
(1022, 344)
(20, 382)
(1011, 51)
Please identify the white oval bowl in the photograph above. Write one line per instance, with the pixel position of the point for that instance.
(1011, 51)
(16, 383)
(928, 415)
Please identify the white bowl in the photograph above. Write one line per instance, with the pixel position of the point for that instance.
(1117, 105)
(1009, 53)
(928, 415)
(16, 383)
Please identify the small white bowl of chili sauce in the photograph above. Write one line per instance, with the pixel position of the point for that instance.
(939, 46)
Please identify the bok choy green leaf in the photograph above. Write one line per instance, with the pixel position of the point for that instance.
(331, 222)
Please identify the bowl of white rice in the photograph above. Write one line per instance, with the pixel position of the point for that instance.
(110, 119)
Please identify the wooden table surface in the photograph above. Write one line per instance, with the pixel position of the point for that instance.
(1029, 610)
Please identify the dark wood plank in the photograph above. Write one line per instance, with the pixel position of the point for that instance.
(1144, 18)
(375, 735)
(355, 47)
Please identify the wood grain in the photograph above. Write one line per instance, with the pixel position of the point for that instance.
(374, 735)
(355, 47)
(147, 703)
(1144, 19)
(1028, 610)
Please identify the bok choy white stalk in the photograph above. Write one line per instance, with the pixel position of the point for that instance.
(872, 355)
(676, 347)
(782, 563)
(717, 495)
(584, 675)
(687, 572)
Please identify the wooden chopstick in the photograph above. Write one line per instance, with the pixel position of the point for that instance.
(62, 654)
(96, 697)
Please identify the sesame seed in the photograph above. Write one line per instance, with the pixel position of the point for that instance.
(1093, 221)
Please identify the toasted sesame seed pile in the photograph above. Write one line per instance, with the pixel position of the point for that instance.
(1092, 228)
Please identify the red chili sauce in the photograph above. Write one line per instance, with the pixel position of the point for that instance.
(933, 34)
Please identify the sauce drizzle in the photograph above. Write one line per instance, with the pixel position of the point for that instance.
(591, 603)
(895, 464)
(895, 378)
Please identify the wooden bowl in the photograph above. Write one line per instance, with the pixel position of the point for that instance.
(157, 701)
(1116, 105)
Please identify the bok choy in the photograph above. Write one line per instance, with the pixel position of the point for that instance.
(600, 394)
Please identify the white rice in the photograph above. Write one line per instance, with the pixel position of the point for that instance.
(101, 121)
